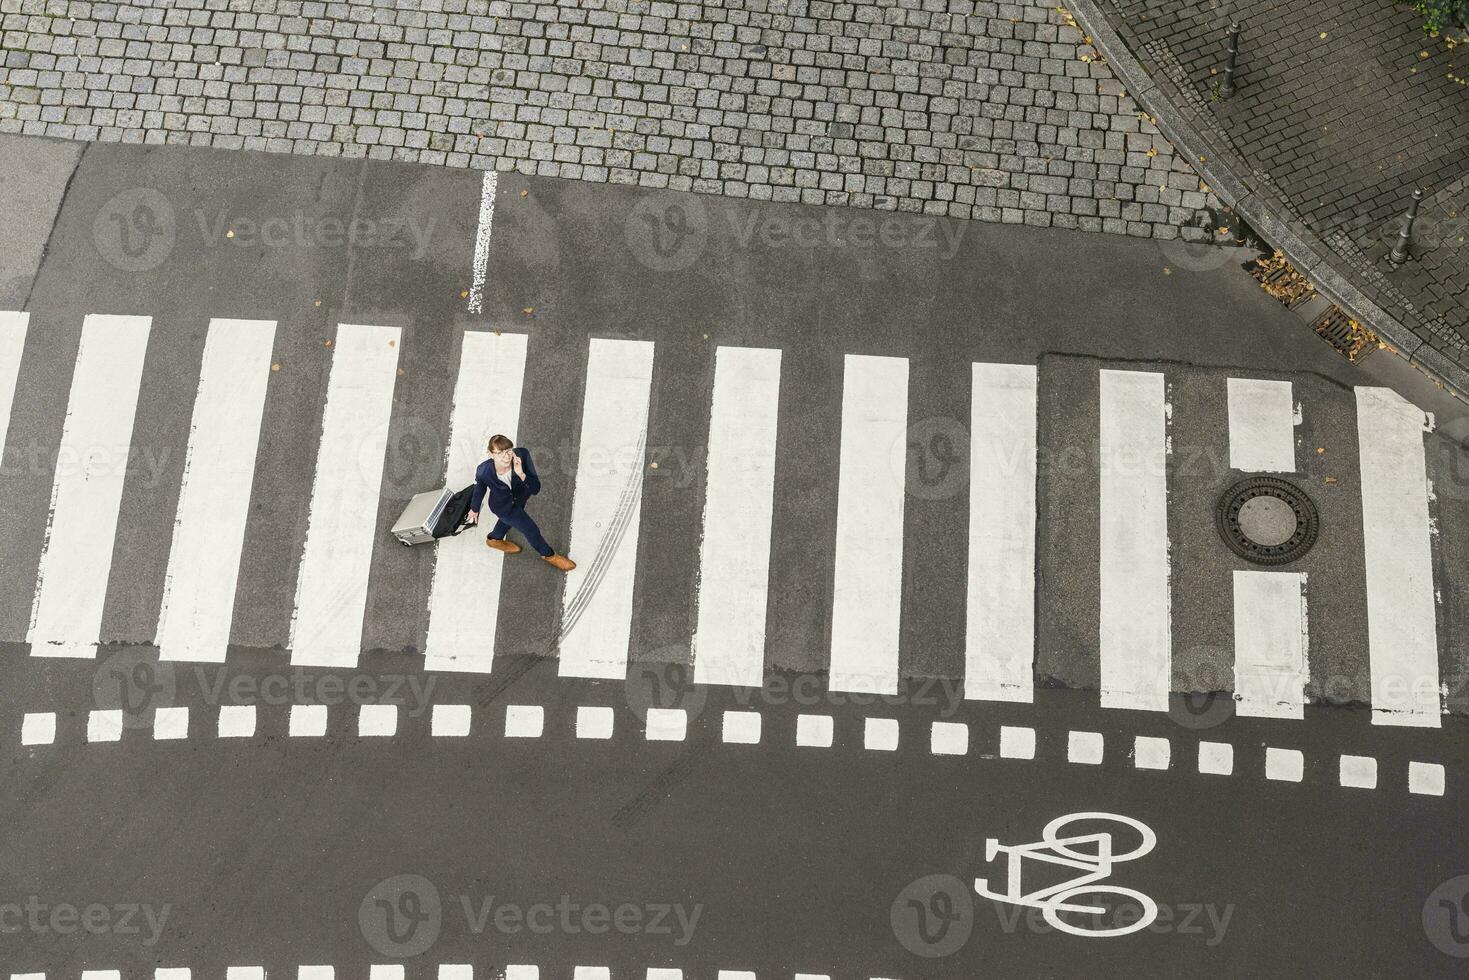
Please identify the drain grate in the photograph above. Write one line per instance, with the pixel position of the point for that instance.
(1350, 338)
(1280, 279)
(1244, 531)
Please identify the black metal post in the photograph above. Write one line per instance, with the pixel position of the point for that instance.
(1405, 236)
(1226, 87)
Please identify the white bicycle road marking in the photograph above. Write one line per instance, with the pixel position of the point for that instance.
(1054, 899)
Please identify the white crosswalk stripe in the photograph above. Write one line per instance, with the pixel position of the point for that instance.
(596, 623)
(867, 594)
(739, 504)
(461, 624)
(1402, 629)
(1136, 638)
(214, 498)
(1000, 621)
(1270, 620)
(1005, 597)
(331, 589)
(91, 466)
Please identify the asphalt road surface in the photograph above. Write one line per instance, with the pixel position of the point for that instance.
(567, 792)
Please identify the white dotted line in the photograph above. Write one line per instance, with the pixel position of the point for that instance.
(447, 971)
(740, 728)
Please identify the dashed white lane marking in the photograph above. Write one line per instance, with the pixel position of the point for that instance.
(524, 721)
(377, 720)
(605, 510)
(739, 504)
(667, 724)
(1358, 771)
(245, 973)
(867, 584)
(385, 971)
(1000, 623)
(96, 438)
(1085, 748)
(237, 721)
(1426, 778)
(1017, 742)
(464, 599)
(481, 264)
(1135, 640)
(214, 498)
(38, 728)
(880, 734)
(1284, 764)
(171, 723)
(1402, 632)
(104, 725)
(1151, 753)
(595, 721)
(308, 720)
(1270, 643)
(331, 589)
(814, 731)
(451, 720)
(1262, 433)
(741, 727)
(948, 738)
(592, 973)
(1216, 758)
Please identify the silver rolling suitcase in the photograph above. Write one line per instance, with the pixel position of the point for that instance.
(435, 514)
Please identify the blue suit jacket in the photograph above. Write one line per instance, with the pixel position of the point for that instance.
(504, 496)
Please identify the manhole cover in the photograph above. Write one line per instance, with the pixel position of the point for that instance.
(1267, 520)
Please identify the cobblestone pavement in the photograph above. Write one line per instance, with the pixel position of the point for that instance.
(1340, 111)
(999, 112)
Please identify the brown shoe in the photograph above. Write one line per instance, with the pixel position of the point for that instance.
(559, 561)
(500, 544)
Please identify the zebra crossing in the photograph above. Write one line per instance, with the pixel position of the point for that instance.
(728, 628)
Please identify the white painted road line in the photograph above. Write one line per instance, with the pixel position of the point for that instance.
(331, 589)
(214, 498)
(464, 599)
(96, 440)
(1216, 758)
(1149, 752)
(1085, 748)
(880, 734)
(1017, 742)
(867, 588)
(1136, 639)
(1000, 624)
(814, 731)
(739, 503)
(741, 727)
(12, 346)
(451, 720)
(1270, 644)
(1402, 632)
(38, 728)
(948, 738)
(1426, 778)
(1262, 426)
(1284, 764)
(596, 618)
(488, 185)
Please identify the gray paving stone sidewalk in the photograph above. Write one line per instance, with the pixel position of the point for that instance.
(1340, 111)
(999, 112)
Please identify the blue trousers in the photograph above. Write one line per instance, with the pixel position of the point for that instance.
(518, 519)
